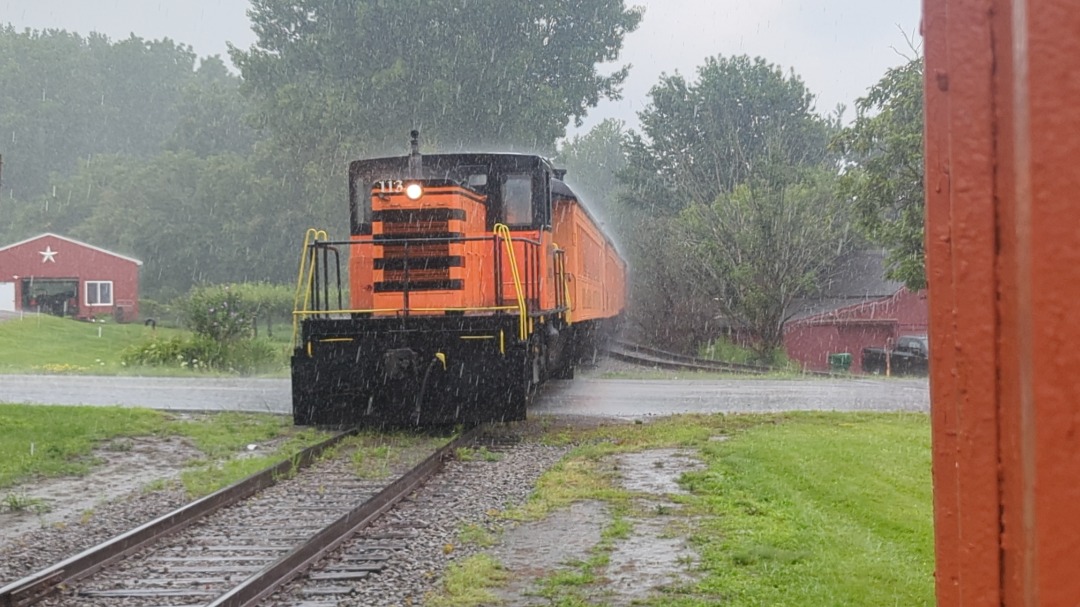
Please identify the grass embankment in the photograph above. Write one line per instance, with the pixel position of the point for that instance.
(40, 343)
(39, 440)
(799, 509)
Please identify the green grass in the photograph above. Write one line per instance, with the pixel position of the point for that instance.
(48, 344)
(47, 441)
(225, 442)
(376, 455)
(818, 510)
(476, 535)
(41, 343)
(20, 502)
(796, 509)
(55, 441)
(469, 583)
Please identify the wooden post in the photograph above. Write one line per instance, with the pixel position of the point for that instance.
(1003, 262)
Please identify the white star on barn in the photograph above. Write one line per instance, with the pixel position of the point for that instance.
(48, 255)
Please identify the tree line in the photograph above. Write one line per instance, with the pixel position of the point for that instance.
(731, 200)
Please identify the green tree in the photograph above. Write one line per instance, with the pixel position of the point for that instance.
(884, 179)
(743, 126)
(763, 246)
(665, 306)
(64, 98)
(341, 78)
(594, 162)
(212, 114)
(741, 119)
(269, 302)
(190, 219)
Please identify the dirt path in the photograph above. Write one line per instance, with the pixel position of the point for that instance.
(126, 466)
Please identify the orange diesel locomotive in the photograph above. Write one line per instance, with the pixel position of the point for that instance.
(473, 278)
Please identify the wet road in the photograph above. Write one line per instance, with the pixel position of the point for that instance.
(173, 393)
(623, 398)
(639, 398)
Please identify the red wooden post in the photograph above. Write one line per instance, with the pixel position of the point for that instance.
(1003, 260)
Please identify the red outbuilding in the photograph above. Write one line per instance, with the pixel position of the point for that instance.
(859, 309)
(53, 274)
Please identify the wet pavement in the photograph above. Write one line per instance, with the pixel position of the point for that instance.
(623, 398)
(640, 398)
(171, 393)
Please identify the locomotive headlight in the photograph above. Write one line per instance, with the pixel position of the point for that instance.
(414, 191)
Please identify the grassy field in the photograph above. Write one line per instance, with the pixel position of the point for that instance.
(48, 344)
(818, 510)
(791, 510)
(39, 440)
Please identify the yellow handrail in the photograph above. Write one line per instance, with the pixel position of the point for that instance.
(310, 235)
(502, 231)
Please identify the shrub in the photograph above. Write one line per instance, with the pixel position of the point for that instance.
(200, 353)
(725, 350)
(251, 356)
(218, 312)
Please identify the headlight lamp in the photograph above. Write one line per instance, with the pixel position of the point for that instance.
(414, 191)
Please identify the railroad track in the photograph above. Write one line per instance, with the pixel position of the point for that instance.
(236, 546)
(653, 357)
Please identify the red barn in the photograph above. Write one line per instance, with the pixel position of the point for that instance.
(858, 310)
(53, 274)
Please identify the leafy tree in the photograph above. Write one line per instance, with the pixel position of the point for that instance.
(665, 306)
(268, 302)
(191, 220)
(742, 118)
(885, 177)
(762, 246)
(340, 78)
(594, 162)
(728, 154)
(64, 98)
(212, 115)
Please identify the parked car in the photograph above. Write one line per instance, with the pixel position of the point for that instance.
(909, 356)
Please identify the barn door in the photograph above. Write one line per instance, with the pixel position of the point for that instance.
(7, 297)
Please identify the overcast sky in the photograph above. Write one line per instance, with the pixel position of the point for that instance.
(839, 47)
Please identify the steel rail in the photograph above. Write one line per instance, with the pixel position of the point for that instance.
(636, 353)
(270, 578)
(37, 586)
(646, 355)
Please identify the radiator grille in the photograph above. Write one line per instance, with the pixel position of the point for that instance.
(419, 265)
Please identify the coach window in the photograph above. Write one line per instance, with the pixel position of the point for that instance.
(517, 200)
(99, 293)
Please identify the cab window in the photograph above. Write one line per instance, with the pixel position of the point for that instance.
(517, 199)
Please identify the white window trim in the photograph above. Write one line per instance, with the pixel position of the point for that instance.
(86, 292)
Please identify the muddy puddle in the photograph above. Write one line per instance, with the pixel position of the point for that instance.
(126, 465)
(655, 555)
